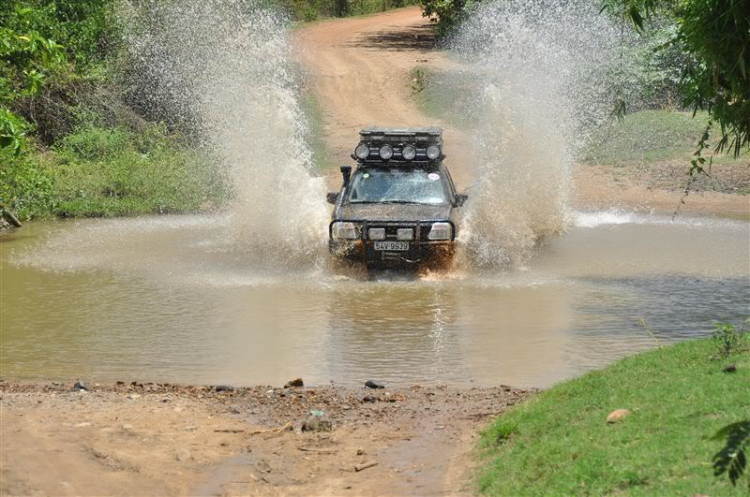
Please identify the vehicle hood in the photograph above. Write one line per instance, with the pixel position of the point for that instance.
(392, 212)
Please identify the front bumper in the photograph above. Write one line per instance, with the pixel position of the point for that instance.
(421, 251)
(434, 253)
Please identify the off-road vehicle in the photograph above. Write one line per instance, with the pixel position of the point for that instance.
(399, 207)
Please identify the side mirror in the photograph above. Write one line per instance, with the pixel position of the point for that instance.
(346, 172)
(460, 199)
(331, 197)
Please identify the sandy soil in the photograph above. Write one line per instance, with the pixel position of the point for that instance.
(360, 68)
(168, 440)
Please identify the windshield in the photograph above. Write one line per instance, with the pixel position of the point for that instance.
(398, 186)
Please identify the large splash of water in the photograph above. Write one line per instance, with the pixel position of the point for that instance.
(223, 67)
(542, 74)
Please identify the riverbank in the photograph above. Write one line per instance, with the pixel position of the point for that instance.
(678, 397)
(147, 439)
(155, 439)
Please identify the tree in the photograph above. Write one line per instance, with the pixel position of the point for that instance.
(26, 59)
(447, 14)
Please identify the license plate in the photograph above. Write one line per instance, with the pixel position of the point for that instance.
(399, 246)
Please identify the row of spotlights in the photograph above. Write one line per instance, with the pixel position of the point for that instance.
(386, 152)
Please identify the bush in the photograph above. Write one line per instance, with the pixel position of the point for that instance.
(25, 185)
(107, 172)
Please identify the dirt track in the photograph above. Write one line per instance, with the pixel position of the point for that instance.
(169, 440)
(360, 71)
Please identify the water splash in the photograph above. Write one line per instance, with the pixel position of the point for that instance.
(542, 74)
(222, 67)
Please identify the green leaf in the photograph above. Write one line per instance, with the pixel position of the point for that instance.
(732, 458)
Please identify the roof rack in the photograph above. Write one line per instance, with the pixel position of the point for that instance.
(386, 134)
(381, 145)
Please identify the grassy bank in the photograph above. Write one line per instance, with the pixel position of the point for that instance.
(315, 136)
(105, 172)
(559, 443)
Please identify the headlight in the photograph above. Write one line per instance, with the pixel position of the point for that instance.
(362, 151)
(386, 152)
(441, 231)
(409, 152)
(376, 233)
(344, 231)
(433, 152)
(404, 234)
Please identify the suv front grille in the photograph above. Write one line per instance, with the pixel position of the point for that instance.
(392, 228)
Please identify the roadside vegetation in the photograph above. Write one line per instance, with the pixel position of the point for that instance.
(78, 139)
(660, 132)
(679, 398)
(311, 10)
(653, 145)
(316, 122)
(70, 144)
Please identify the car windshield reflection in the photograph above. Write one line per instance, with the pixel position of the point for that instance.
(398, 186)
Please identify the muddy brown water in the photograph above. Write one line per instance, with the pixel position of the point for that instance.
(174, 299)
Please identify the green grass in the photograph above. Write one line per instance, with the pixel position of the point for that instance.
(444, 96)
(105, 172)
(649, 136)
(559, 443)
(316, 122)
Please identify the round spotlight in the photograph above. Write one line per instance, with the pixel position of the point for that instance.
(409, 152)
(386, 152)
(433, 152)
(362, 151)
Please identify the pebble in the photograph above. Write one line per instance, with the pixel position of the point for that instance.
(295, 383)
(182, 455)
(373, 384)
(133, 396)
(317, 423)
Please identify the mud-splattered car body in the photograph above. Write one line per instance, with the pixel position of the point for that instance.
(399, 207)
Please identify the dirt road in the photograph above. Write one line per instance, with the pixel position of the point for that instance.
(360, 71)
(149, 439)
